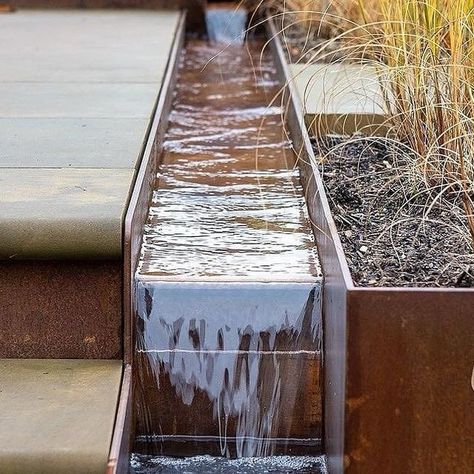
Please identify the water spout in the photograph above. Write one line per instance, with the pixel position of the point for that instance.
(226, 23)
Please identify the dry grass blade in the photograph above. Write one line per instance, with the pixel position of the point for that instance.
(424, 53)
(427, 50)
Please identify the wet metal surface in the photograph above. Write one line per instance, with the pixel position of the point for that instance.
(228, 334)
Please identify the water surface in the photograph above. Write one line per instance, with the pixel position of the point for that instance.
(228, 334)
(228, 200)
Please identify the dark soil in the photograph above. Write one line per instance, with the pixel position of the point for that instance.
(389, 237)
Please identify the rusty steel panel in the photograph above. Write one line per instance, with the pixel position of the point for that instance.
(409, 396)
(119, 456)
(61, 309)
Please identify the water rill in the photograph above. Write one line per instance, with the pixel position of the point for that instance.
(228, 324)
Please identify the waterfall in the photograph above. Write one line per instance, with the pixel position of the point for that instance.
(226, 23)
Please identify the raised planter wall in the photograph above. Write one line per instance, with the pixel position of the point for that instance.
(398, 363)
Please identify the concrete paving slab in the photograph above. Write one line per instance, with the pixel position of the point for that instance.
(78, 89)
(62, 213)
(71, 142)
(338, 88)
(340, 98)
(77, 92)
(85, 46)
(70, 100)
(57, 415)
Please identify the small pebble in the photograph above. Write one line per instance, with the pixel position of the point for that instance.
(363, 249)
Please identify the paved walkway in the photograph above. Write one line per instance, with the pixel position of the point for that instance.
(78, 89)
(77, 92)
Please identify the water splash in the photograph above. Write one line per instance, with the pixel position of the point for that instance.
(212, 465)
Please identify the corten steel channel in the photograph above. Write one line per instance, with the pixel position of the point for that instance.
(135, 218)
(119, 455)
(134, 223)
(398, 363)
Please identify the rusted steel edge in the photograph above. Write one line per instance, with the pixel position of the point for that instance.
(336, 273)
(119, 456)
(299, 135)
(135, 217)
(342, 300)
(137, 210)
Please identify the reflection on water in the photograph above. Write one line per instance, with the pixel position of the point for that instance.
(228, 301)
(215, 465)
(228, 201)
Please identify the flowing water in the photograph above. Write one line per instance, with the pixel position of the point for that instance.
(227, 289)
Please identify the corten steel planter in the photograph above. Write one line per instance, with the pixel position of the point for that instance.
(399, 393)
